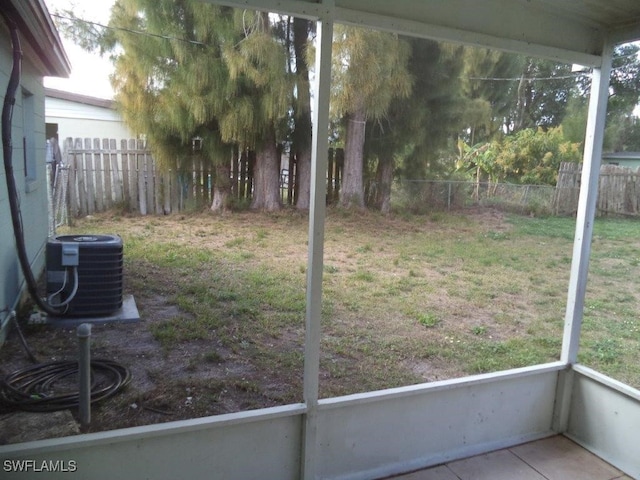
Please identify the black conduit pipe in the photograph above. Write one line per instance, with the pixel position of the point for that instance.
(7, 150)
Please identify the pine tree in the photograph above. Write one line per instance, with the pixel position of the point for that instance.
(490, 98)
(168, 80)
(410, 138)
(186, 69)
(259, 102)
(370, 70)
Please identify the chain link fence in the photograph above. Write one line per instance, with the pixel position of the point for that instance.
(422, 196)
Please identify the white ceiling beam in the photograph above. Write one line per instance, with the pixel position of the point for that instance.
(528, 27)
(477, 38)
(625, 34)
(308, 9)
(521, 27)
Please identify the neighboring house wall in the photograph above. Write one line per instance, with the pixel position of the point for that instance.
(80, 116)
(623, 159)
(29, 146)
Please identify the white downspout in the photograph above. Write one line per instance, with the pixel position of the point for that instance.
(584, 231)
(317, 213)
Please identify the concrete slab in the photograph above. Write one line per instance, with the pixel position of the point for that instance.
(127, 314)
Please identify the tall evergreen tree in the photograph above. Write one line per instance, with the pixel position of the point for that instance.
(186, 69)
(413, 132)
(257, 110)
(168, 80)
(369, 71)
(490, 98)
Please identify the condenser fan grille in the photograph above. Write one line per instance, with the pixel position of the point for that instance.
(99, 274)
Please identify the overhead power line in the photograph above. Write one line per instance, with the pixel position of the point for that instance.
(128, 30)
(517, 79)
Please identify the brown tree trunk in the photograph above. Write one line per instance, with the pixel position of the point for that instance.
(303, 187)
(235, 171)
(384, 178)
(302, 132)
(351, 190)
(523, 100)
(266, 176)
(221, 187)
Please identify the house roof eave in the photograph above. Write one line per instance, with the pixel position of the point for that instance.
(42, 40)
(78, 98)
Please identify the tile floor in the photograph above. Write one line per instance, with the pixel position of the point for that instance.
(554, 458)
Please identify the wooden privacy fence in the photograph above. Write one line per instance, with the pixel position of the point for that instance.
(618, 190)
(99, 174)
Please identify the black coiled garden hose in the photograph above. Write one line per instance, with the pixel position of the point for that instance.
(32, 389)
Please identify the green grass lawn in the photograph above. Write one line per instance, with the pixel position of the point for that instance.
(407, 298)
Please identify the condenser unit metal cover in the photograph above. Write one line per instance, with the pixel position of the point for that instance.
(99, 261)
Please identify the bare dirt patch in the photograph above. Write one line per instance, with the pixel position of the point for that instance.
(194, 379)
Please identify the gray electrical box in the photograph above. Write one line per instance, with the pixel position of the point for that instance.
(70, 255)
